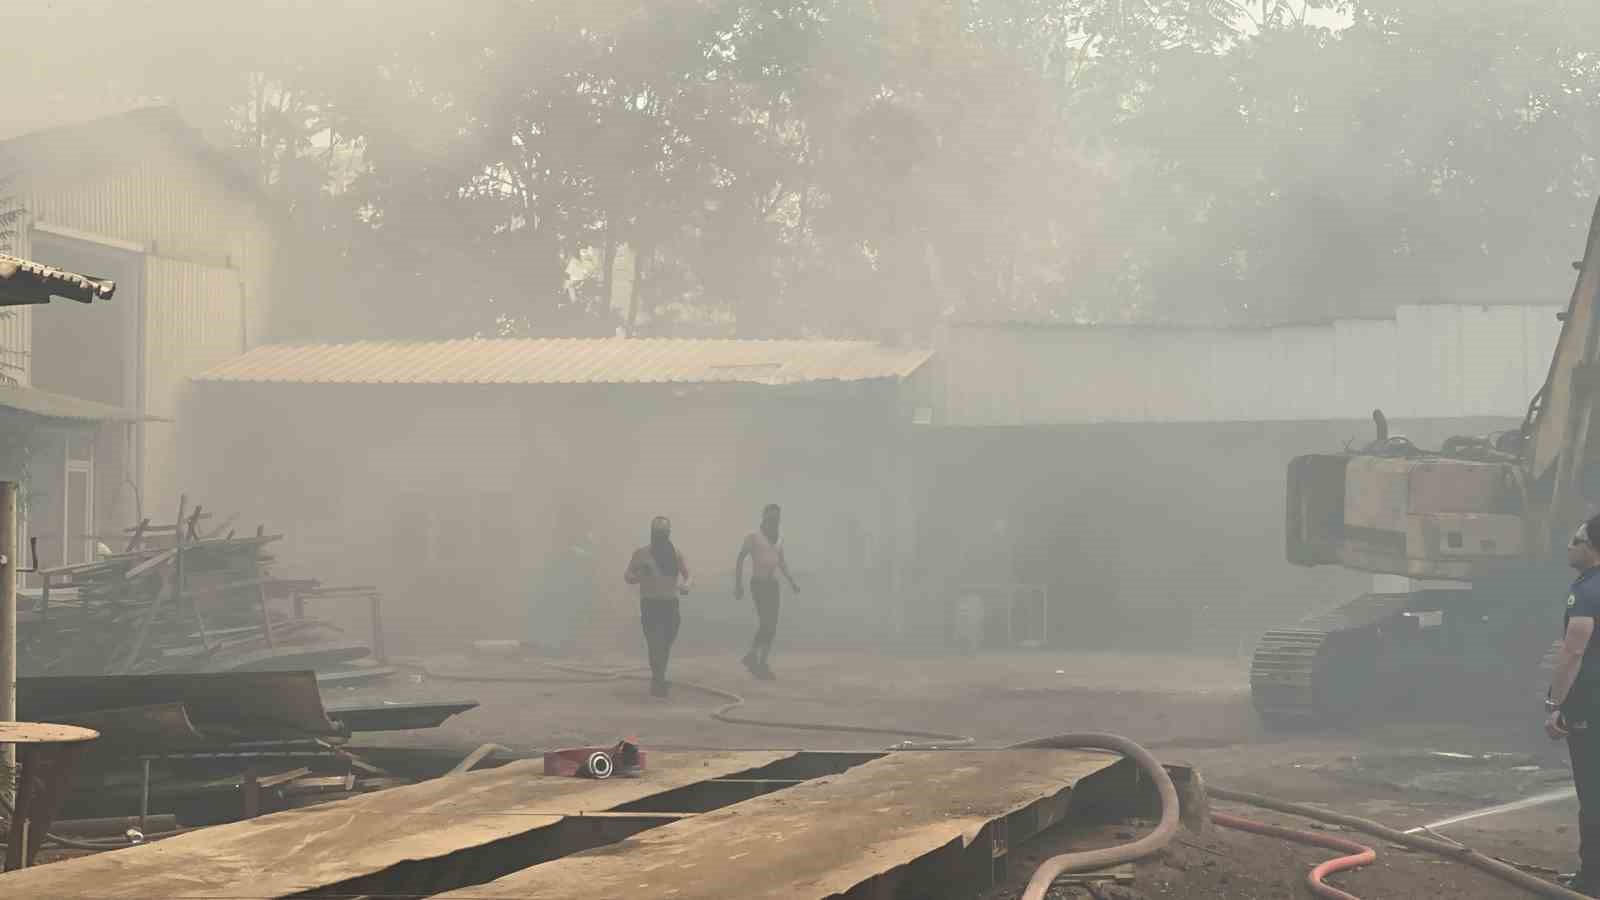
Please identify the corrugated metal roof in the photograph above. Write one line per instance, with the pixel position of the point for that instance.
(61, 406)
(571, 361)
(24, 283)
(112, 141)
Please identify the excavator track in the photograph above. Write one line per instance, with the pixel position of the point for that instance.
(1324, 667)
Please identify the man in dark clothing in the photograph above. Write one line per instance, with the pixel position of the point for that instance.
(764, 546)
(1574, 701)
(662, 576)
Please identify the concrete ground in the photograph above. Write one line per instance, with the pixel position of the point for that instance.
(1404, 770)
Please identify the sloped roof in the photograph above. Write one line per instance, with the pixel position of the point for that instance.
(571, 361)
(60, 406)
(113, 140)
(25, 283)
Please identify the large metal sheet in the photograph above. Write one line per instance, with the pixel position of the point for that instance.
(815, 840)
(285, 853)
(363, 717)
(257, 705)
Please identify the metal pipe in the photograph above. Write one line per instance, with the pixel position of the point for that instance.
(1500, 870)
(144, 795)
(8, 611)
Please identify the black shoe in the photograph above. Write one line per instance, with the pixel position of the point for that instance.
(1581, 882)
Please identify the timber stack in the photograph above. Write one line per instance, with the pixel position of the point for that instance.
(183, 598)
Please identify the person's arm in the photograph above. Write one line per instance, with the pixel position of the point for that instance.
(685, 580)
(1569, 659)
(738, 570)
(631, 576)
(783, 566)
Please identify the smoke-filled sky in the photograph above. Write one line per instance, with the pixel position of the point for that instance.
(821, 167)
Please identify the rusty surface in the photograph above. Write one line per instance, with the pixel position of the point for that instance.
(25, 282)
(819, 839)
(285, 853)
(571, 361)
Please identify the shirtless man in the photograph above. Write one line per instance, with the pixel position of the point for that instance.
(663, 577)
(765, 549)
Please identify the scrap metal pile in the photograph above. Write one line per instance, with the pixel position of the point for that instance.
(204, 748)
(179, 598)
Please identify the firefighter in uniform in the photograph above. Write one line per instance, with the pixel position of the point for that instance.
(1573, 706)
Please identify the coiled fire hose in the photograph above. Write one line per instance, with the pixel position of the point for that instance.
(1359, 854)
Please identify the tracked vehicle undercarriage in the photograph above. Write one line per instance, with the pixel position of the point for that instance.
(1479, 527)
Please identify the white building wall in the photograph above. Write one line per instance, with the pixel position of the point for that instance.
(1433, 362)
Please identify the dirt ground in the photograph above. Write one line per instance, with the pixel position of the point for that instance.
(1404, 771)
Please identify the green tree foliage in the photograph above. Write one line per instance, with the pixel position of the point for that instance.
(835, 167)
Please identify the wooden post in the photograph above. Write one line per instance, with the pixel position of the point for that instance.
(266, 615)
(250, 786)
(8, 612)
(378, 649)
(138, 536)
(184, 534)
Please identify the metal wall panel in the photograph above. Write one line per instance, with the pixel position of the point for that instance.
(176, 208)
(208, 276)
(1427, 362)
(193, 321)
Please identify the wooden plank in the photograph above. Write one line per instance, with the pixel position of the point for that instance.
(819, 839)
(159, 559)
(281, 854)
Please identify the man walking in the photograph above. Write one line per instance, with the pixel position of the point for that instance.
(764, 546)
(1574, 701)
(662, 576)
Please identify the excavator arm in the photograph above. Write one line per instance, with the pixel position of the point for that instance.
(1560, 417)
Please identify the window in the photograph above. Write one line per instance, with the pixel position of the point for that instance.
(77, 495)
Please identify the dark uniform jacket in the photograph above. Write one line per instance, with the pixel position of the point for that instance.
(1583, 701)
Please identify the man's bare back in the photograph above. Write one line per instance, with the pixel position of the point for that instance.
(766, 557)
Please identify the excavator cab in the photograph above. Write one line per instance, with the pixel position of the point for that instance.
(1470, 524)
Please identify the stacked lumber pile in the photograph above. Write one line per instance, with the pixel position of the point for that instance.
(180, 598)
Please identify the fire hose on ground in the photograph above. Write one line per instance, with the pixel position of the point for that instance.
(1358, 854)
(1503, 871)
(918, 739)
(1090, 860)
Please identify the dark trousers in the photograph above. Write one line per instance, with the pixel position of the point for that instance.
(660, 618)
(1584, 745)
(765, 593)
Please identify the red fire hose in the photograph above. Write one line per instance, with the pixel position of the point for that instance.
(1359, 854)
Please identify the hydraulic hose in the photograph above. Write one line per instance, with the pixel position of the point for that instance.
(1359, 854)
(1089, 860)
(1507, 873)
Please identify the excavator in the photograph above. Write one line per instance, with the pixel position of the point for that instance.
(1478, 528)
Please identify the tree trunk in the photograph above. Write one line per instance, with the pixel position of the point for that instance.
(608, 260)
(641, 258)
